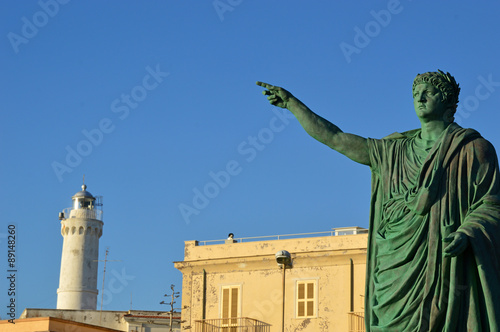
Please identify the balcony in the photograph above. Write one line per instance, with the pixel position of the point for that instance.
(239, 324)
(83, 213)
(356, 321)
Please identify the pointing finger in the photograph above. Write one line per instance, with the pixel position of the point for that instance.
(265, 85)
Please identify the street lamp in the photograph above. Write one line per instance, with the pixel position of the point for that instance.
(284, 260)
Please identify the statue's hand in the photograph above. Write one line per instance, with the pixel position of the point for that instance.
(277, 96)
(458, 243)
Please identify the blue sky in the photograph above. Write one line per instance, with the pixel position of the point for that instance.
(156, 102)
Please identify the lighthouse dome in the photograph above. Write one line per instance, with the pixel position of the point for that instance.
(83, 193)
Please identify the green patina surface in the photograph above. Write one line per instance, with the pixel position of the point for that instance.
(434, 244)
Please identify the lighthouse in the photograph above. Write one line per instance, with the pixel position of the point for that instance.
(81, 228)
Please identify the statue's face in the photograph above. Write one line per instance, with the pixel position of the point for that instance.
(428, 103)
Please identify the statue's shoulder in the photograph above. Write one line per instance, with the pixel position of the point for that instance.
(404, 134)
(478, 146)
(466, 134)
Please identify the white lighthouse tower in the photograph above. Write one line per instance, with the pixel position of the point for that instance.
(81, 228)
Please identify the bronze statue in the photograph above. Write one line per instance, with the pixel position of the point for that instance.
(433, 261)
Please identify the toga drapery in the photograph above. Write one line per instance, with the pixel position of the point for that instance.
(419, 196)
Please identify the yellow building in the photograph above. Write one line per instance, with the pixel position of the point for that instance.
(125, 321)
(49, 324)
(304, 282)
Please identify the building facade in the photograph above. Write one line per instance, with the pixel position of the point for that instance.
(301, 283)
(125, 321)
(49, 324)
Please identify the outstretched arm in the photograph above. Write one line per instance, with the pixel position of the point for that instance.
(352, 146)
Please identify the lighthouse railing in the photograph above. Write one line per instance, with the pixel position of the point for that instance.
(83, 213)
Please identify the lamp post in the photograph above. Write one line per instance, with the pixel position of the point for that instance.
(284, 260)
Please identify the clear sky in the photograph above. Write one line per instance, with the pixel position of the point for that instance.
(156, 103)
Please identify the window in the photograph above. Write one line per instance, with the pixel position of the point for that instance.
(306, 299)
(230, 305)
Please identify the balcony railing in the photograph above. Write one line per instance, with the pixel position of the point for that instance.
(356, 321)
(83, 213)
(238, 324)
(334, 232)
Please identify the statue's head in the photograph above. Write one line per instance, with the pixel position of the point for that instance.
(445, 83)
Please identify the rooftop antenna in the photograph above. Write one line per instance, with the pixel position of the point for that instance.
(104, 274)
(174, 295)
